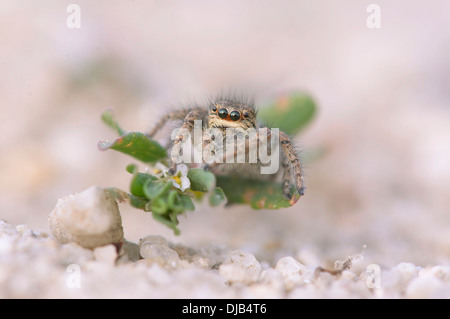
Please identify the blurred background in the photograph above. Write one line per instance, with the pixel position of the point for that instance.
(383, 120)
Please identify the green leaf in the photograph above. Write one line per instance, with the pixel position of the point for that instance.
(174, 203)
(155, 189)
(131, 168)
(201, 180)
(217, 197)
(167, 208)
(258, 194)
(166, 220)
(138, 181)
(136, 144)
(290, 113)
(108, 119)
(159, 205)
(186, 202)
(172, 199)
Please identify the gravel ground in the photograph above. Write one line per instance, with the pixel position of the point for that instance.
(376, 209)
(44, 268)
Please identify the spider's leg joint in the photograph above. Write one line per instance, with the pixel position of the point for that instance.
(172, 169)
(288, 196)
(301, 191)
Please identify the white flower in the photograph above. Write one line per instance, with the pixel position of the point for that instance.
(160, 170)
(180, 179)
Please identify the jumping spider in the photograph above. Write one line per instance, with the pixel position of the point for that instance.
(240, 114)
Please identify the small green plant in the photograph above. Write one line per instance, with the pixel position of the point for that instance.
(168, 196)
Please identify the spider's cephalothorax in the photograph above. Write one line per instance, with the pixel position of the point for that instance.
(231, 114)
(240, 115)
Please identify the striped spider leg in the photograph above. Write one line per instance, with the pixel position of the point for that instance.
(292, 168)
(189, 116)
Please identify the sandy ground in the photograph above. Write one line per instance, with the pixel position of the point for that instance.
(383, 128)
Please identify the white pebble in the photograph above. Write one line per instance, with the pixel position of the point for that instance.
(288, 266)
(441, 272)
(270, 275)
(160, 254)
(90, 219)
(240, 267)
(395, 281)
(156, 274)
(215, 254)
(407, 270)
(201, 262)
(154, 239)
(272, 278)
(6, 245)
(423, 287)
(292, 271)
(106, 254)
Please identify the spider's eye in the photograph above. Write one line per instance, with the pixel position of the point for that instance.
(235, 115)
(214, 108)
(246, 115)
(223, 113)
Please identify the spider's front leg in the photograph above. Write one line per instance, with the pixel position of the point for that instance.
(286, 187)
(294, 167)
(216, 154)
(187, 127)
(291, 162)
(174, 115)
(207, 143)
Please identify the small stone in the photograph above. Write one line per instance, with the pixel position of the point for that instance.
(406, 272)
(184, 252)
(184, 264)
(423, 287)
(215, 254)
(240, 267)
(272, 278)
(154, 239)
(6, 229)
(6, 245)
(441, 272)
(129, 251)
(22, 229)
(160, 254)
(156, 274)
(348, 275)
(201, 262)
(90, 219)
(106, 254)
(288, 266)
(292, 271)
(73, 253)
(395, 281)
